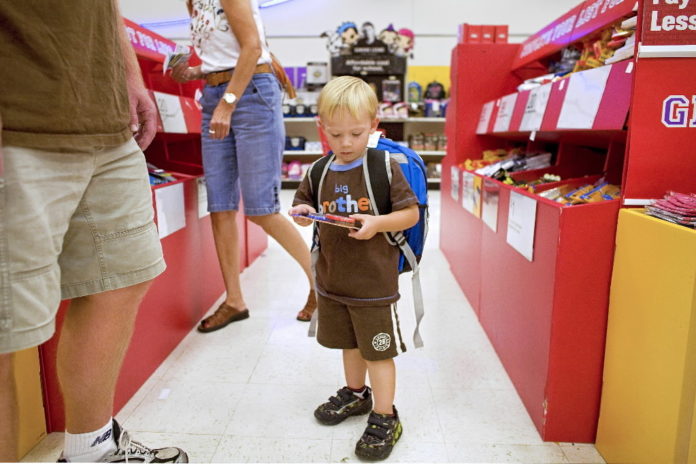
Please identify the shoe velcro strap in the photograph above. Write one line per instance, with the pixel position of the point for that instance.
(377, 429)
(342, 398)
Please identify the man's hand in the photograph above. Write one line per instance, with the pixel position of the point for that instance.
(304, 210)
(143, 114)
(369, 228)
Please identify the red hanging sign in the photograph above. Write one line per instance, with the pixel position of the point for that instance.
(595, 15)
(147, 43)
(668, 22)
(554, 37)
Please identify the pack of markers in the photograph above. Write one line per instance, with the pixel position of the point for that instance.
(334, 220)
(678, 208)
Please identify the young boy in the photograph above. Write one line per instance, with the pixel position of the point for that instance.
(356, 270)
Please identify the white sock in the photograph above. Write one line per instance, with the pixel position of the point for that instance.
(90, 446)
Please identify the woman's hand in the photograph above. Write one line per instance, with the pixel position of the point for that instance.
(304, 210)
(183, 73)
(221, 120)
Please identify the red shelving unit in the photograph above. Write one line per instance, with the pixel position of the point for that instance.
(546, 316)
(192, 282)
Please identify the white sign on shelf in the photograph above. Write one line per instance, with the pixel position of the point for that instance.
(521, 224)
(583, 97)
(171, 214)
(169, 107)
(468, 191)
(535, 109)
(507, 106)
(454, 173)
(202, 198)
(485, 118)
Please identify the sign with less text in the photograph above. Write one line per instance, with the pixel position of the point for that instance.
(669, 22)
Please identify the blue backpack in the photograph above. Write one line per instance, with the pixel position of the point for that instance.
(378, 179)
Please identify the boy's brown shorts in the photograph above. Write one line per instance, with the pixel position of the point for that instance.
(372, 329)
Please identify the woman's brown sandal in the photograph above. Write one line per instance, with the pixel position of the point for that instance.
(305, 314)
(223, 316)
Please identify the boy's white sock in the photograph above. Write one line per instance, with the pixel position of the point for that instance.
(90, 446)
(360, 393)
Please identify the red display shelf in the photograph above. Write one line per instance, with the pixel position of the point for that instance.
(546, 316)
(607, 110)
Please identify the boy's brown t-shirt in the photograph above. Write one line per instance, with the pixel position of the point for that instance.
(355, 272)
(62, 75)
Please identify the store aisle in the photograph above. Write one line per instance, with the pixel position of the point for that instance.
(246, 393)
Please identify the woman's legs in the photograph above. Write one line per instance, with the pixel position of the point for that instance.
(283, 232)
(226, 238)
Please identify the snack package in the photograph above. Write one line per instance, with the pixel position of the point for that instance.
(181, 54)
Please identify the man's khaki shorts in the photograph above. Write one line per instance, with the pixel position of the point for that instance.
(371, 329)
(71, 225)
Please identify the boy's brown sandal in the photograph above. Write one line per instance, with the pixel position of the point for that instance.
(223, 316)
(305, 314)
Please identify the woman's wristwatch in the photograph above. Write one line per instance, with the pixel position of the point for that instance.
(229, 98)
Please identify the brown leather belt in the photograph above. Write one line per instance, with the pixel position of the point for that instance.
(220, 77)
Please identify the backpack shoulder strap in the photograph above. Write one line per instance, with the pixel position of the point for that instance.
(316, 174)
(378, 176)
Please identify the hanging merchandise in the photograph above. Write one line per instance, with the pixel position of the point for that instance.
(317, 73)
(435, 91)
(405, 42)
(415, 92)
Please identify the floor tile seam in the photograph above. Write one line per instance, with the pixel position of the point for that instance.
(497, 443)
(139, 403)
(133, 431)
(281, 384)
(175, 381)
(575, 461)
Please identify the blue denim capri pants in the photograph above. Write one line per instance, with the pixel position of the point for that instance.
(249, 158)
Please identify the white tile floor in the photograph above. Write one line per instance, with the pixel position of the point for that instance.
(246, 393)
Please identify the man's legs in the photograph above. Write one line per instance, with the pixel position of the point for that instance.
(8, 409)
(96, 333)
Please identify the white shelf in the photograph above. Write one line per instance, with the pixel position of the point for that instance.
(434, 120)
(431, 152)
(300, 119)
(433, 180)
(302, 153)
(313, 119)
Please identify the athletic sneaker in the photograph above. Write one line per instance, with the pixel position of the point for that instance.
(380, 436)
(132, 451)
(346, 403)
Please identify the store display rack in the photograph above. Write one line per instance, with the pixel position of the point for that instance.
(395, 128)
(546, 314)
(165, 316)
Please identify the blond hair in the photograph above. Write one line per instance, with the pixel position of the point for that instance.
(347, 93)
